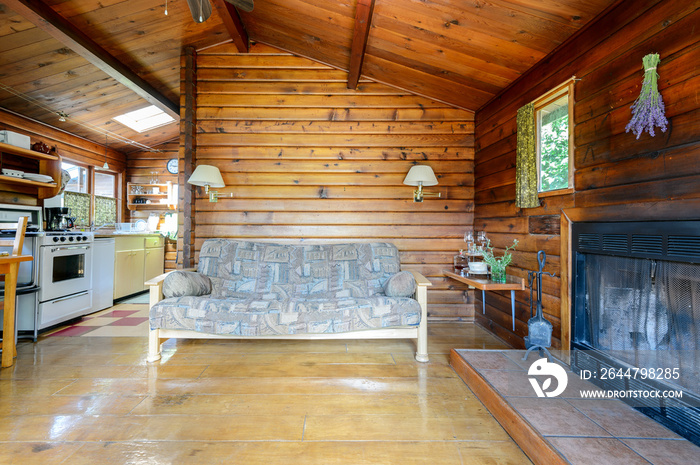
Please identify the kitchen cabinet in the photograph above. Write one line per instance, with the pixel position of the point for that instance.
(154, 258)
(48, 164)
(136, 260)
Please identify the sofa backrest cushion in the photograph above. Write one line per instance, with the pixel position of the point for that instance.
(239, 268)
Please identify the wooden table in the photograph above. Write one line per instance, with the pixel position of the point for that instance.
(512, 284)
(9, 266)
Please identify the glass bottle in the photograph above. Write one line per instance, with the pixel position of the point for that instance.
(461, 263)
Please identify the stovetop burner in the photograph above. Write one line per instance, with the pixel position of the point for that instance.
(66, 237)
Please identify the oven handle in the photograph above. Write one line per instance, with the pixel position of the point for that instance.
(69, 297)
(73, 247)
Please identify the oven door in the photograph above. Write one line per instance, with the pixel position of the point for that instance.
(65, 270)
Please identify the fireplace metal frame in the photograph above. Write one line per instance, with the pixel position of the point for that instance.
(677, 241)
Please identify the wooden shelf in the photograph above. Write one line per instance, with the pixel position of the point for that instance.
(150, 206)
(7, 148)
(513, 283)
(28, 182)
(49, 164)
(165, 191)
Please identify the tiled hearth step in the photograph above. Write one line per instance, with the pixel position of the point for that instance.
(566, 429)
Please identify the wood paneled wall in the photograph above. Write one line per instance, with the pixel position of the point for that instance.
(612, 167)
(68, 146)
(306, 159)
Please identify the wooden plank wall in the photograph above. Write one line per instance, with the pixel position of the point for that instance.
(612, 167)
(69, 147)
(306, 159)
(140, 165)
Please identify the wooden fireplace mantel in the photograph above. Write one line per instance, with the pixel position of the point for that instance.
(668, 210)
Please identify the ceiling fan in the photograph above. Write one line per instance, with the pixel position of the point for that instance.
(201, 9)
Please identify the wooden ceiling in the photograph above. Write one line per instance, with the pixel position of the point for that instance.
(458, 52)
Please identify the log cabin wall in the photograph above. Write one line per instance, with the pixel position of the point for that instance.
(69, 147)
(305, 159)
(140, 166)
(612, 167)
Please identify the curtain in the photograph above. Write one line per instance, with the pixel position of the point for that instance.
(526, 159)
(79, 205)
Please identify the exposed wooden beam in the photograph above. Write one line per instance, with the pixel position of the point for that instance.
(45, 18)
(363, 19)
(234, 25)
(188, 148)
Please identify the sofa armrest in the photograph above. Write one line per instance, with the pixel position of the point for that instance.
(421, 296)
(420, 279)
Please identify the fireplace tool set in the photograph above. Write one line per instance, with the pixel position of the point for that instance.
(539, 330)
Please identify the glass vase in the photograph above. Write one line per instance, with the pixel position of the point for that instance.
(498, 274)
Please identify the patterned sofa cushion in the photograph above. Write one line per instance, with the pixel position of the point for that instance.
(259, 314)
(321, 271)
(271, 289)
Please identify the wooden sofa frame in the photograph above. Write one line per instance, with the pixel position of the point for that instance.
(156, 337)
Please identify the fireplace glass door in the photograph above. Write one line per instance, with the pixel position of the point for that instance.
(643, 312)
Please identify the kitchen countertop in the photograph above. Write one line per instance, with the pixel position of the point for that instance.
(108, 233)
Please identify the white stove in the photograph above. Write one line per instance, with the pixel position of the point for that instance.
(65, 276)
(57, 285)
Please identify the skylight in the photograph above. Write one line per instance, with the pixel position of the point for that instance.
(144, 119)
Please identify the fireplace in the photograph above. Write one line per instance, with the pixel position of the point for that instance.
(636, 315)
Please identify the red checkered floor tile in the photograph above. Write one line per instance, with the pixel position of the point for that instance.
(120, 320)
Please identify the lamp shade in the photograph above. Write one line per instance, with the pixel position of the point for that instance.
(420, 175)
(206, 175)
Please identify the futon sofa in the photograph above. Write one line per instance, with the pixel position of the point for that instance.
(251, 290)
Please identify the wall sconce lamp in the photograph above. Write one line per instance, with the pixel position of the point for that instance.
(421, 175)
(207, 176)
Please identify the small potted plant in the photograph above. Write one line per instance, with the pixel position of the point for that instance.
(498, 264)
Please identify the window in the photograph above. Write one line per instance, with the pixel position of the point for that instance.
(145, 119)
(78, 178)
(90, 202)
(553, 112)
(105, 184)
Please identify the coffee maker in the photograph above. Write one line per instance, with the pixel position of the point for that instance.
(58, 219)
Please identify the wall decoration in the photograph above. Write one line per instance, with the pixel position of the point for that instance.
(648, 110)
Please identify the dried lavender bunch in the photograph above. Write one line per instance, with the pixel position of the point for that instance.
(648, 110)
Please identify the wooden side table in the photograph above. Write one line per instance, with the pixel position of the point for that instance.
(9, 266)
(512, 284)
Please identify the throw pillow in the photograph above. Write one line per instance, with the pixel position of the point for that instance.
(402, 284)
(179, 283)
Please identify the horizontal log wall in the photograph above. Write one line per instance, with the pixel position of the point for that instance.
(305, 158)
(140, 166)
(612, 167)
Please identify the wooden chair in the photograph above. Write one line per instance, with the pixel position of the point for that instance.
(10, 269)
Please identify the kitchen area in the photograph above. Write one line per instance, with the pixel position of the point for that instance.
(77, 272)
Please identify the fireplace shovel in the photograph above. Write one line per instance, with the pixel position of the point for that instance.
(539, 330)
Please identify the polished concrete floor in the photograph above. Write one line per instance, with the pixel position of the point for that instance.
(95, 400)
